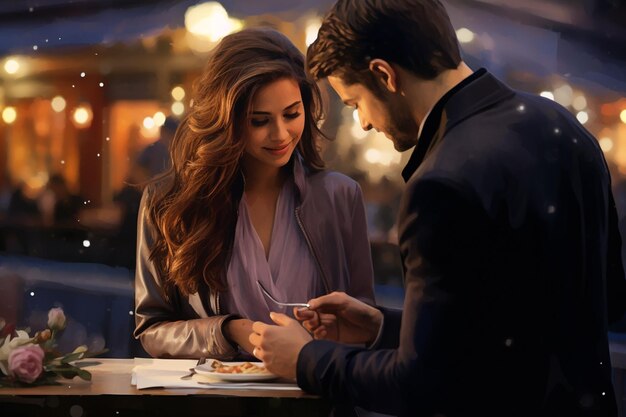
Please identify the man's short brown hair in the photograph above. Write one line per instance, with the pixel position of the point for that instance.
(414, 34)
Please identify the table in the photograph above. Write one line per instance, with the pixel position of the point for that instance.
(110, 394)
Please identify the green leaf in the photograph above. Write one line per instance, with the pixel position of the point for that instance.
(58, 368)
(83, 374)
(89, 354)
(85, 364)
(56, 365)
(67, 374)
(69, 371)
(72, 357)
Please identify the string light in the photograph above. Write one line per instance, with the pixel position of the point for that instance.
(9, 115)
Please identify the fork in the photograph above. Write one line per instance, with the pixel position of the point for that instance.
(299, 305)
(268, 295)
(192, 371)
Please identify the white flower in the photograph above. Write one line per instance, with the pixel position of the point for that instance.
(8, 345)
(56, 319)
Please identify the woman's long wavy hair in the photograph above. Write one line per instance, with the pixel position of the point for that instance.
(194, 208)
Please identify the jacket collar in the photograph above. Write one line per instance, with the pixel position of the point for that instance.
(474, 94)
(298, 169)
(299, 173)
(482, 93)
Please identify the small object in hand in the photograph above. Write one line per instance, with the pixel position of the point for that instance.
(275, 301)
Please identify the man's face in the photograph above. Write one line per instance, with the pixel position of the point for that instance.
(389, 114)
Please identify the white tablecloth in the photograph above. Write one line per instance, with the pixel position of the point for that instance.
(166, 373)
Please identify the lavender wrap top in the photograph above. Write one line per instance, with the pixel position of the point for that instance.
(289, 273)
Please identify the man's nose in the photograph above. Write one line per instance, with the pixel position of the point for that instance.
(364, 124)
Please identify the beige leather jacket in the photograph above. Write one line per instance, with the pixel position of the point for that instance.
(332, 218)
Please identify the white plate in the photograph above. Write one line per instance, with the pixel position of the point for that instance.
(207, 370)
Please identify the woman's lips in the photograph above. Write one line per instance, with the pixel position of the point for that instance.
(279, 150)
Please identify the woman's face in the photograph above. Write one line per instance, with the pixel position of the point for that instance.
(275, 125)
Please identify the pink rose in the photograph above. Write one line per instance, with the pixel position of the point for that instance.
(26, 363)
(56, 319)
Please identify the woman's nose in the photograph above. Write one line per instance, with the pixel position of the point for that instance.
(281, 132)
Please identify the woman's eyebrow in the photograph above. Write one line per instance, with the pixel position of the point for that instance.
(295, 103)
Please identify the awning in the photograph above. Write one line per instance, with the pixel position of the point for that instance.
(45, 29)
(510, 44)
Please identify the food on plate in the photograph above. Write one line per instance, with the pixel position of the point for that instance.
(243, 368)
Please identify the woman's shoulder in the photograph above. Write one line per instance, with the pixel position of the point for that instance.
(156, 188)
(332, 181)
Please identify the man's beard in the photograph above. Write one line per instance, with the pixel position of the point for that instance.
(400, 126)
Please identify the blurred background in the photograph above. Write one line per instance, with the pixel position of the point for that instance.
(90, 91)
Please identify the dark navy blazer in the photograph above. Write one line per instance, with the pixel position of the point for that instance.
(511, 253)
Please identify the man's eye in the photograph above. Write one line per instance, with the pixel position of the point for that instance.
(258, 123)
(292, 115)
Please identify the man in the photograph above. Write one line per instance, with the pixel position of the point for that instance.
(507, 232)
(58, 204)
(155, 158)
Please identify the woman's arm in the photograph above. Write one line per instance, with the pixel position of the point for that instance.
(162, 325)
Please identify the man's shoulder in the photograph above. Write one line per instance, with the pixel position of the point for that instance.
(512, 129)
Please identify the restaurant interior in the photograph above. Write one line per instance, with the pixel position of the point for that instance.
(87, 85)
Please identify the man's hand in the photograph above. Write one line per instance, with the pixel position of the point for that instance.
(279, 346)
(341, 318)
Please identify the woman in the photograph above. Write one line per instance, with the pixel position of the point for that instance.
(246, 200)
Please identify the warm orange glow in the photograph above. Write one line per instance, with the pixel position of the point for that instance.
(178, 108)
(11, 66)
(606, 110)
(58, 104)
(126, 137)
(614, 109)
(9, 114)
(159, 118)
(178, 93)
(82, 116)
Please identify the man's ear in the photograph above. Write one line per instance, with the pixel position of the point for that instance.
(385, 73)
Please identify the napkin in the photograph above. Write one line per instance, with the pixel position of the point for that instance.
(166, 373)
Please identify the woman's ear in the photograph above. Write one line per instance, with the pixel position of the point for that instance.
(385, 73)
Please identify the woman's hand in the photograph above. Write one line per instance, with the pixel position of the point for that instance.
(238, 331)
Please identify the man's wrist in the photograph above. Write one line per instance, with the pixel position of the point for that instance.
(378, 322)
